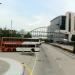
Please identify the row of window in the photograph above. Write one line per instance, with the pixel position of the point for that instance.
(13, 39)
(13, 45)
(60, 21)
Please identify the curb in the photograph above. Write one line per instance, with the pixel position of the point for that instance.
(62, 48)
(13, 65)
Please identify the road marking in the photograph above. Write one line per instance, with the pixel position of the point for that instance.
(30, 71)
(27, 67)
(34, 64)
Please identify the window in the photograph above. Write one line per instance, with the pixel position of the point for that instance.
(62, 27)
(69, 22)
(74, 23)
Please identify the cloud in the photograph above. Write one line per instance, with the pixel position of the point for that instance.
(41, 19)
(35, 22)
(38, 14)
(69, 5)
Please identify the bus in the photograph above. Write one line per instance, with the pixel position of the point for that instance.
(30, 44)
(10, 44)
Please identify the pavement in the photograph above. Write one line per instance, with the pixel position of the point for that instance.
(49, 61)
(45, 64)
(10, 66)
(63, 46)
(61, 62)
(16, 63)
(4, 66)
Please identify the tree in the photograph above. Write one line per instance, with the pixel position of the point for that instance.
(28, 35)
(8, 33)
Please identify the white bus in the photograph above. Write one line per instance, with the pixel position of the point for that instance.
(30, 44)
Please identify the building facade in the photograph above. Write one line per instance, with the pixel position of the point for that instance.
(62, 27)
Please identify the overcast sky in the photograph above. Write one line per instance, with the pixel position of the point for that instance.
(30, 14)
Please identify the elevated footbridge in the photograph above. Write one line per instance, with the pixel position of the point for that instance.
(40, 32)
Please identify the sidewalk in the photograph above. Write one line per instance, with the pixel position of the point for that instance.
(64, 47)
(8, 65)
(4, 66)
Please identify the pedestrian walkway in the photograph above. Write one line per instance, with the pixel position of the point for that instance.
(10, 67)
(4, 66)
(63, 46)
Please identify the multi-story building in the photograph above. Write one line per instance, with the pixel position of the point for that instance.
(62, 27)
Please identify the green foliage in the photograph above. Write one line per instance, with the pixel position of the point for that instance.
(28, 35)
(9, 33)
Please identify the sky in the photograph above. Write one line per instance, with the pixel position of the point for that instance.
(31, 14)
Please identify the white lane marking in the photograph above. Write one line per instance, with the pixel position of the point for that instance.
(34, 64)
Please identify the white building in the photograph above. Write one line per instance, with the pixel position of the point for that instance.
(62, 27)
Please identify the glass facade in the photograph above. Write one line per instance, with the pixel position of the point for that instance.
(56, 21)
(63, 21)
(63, 24)
(60, 21)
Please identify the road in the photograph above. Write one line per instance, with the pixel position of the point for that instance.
(26, 60)
(49, 61)
(53, 61)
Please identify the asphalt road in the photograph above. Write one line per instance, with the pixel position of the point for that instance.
(49, 61)
(53, 61)
(46, 64)
(26, 60)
